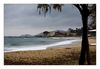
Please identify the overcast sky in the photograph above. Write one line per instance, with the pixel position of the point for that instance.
(22, 19)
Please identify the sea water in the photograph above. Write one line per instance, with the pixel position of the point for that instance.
(35, 43)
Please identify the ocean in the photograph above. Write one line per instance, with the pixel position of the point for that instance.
(35, 43)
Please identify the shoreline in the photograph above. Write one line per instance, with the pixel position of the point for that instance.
(72, 44)
(77, 43)
(64, 55)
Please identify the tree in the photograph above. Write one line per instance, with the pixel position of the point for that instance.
(45, 33)
(92, 24)
(70, 30)
(84, 12)
(79, 31)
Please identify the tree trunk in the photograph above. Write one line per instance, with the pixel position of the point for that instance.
(85, 45)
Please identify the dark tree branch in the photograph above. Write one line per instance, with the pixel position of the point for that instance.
(78, 7)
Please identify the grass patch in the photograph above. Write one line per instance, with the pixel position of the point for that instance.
(60, 56)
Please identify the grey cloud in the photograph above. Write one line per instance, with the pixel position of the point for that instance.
(24, 18)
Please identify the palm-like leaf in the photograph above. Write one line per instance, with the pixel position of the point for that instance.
(47, 7)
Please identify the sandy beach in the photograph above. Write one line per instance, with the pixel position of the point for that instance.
(58, 55)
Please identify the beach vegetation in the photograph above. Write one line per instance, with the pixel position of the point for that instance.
(55, 56)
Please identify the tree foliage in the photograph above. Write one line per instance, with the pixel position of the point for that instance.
(92, 24)
(44, 8)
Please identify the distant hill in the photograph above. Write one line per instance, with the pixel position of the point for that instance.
(57, 33)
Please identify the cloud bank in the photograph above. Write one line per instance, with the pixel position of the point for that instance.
(22, 19)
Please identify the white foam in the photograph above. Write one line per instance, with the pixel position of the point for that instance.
(41, 47)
